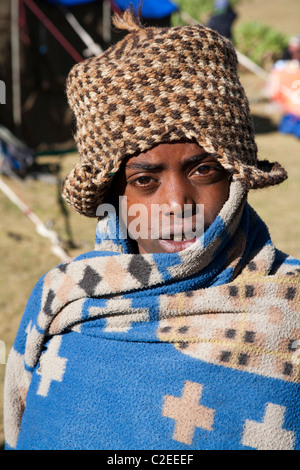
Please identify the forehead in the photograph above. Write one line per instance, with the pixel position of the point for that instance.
(167, 152)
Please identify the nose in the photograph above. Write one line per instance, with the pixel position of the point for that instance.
(175, 195)
(179, 209)
(180, 214)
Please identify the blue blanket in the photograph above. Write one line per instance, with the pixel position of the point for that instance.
(192, 350)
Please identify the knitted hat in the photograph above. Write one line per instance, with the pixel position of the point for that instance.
(160, 85)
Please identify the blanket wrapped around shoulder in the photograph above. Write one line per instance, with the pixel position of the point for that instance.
(192, 350)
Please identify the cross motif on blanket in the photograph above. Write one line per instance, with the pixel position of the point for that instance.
(52, 367)
(269, 435)
(187, 412)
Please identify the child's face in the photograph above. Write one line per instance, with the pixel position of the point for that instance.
(175, 175)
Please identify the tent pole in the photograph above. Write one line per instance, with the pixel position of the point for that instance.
(15, 63)
(106, 21)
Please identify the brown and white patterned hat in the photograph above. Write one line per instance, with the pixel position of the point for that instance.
(160, 85)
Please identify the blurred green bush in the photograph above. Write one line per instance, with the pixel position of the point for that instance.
(262, 44)
(200, 10)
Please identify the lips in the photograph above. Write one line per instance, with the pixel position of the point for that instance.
(173, 246)
(177, 240)
(176, 233)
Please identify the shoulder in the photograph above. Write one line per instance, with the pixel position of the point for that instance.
(51, 280)
(71, 263)
(57, 282)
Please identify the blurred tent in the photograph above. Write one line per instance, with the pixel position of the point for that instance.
(40, 40)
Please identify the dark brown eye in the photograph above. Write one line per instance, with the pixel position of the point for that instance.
(142, 181)
(205, 170)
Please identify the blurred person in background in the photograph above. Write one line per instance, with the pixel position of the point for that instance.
(222, 18)
(292, 52)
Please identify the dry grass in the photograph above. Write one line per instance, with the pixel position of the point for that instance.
(25, 256)
(284, 16)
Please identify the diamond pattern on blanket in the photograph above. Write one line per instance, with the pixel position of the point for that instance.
(48, 303)
(90, 280)
(270, 434)
(63, 267)
(140, 269)
(64, 291)
(114, 281)
(52, 367)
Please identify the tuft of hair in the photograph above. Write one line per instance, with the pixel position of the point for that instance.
(127, 21)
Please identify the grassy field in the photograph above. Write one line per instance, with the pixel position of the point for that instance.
(25, 255)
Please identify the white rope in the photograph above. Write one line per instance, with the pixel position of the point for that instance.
(40, 226)
(92, 47)
(15, 65)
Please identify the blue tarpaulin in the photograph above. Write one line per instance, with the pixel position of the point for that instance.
(150, 8)
(71, 3)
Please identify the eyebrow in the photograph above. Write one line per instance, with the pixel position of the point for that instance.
(160, 166)
(145, 166)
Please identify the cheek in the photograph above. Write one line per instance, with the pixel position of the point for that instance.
(214, 199)
(135, 214)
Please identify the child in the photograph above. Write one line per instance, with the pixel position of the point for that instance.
(175, 341)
